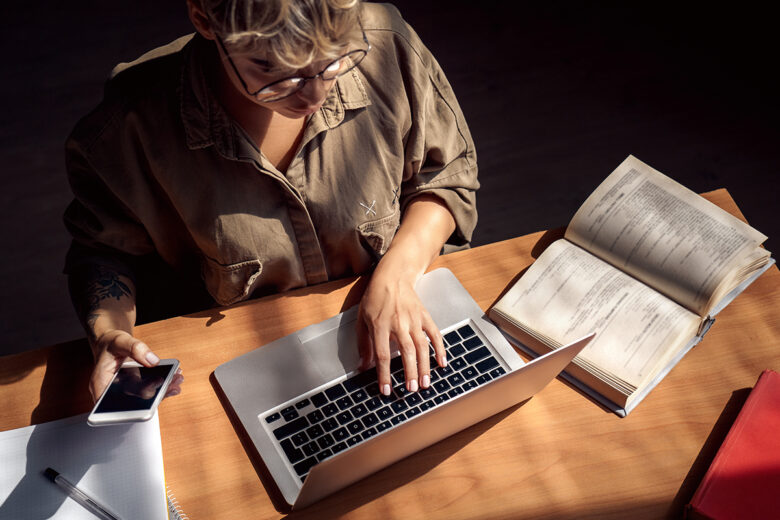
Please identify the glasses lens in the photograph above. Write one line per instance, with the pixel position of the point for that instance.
(289, 86)
(343, 65)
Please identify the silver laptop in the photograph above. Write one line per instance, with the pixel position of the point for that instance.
(319, 425)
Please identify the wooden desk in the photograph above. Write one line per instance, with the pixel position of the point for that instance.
(558, 456)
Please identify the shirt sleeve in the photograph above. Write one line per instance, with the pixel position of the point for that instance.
(103, 228)
(440, 157)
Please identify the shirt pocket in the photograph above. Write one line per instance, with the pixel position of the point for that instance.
(377, 234)
(230, 283)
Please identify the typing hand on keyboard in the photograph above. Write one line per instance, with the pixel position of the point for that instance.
(396, 314)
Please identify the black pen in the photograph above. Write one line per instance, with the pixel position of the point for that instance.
(79, 496)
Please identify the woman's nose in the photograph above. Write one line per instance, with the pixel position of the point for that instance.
(315, 91)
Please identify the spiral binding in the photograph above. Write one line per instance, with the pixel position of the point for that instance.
(174, 509)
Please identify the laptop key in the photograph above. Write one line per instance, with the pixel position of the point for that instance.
(373, 403)
(323, 455)
(441, 398)
(466, 331)
(293, 454)
(412, 412)
(457, 350)
(370, 420)
(383, 426)
(273, 417)
(413, 399)
(476, 355)
(487, 364)
(315, 416)
(384, 413)
(341, 434)
(353, 440)
(359, 410)
(329, 424)
(427, 393)
(368, 433)
(334, 392)
(339, 446)
(455, 379)
(300, 438)
(452, 338)
(310, 449)
(468, 385)
(397, 419)
(330, 409)
(484, 378)
(290, 428)
(344, 417)
(441, 386)
(472, 343)
(319, 399)
(326, 441)
(302, 404)
(427, 405)
(344, 403)
(498, 372)
(359, 396)
(469, 373)
(354, 427)
(315, 431)
(396, 363)
(401, 391)
(289, 413)
(458, 364)
(455, 392)
(303, 467)
(399, 406)
(360, 380)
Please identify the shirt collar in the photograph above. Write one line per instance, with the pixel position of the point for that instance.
(206, 123)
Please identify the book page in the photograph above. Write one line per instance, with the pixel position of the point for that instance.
(662, 233)
(568, 293)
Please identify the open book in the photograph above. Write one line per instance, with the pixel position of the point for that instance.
(646, 264)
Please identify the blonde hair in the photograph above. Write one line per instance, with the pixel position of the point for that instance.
(292, 33)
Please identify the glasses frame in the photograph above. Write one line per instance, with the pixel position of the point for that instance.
(301, 79)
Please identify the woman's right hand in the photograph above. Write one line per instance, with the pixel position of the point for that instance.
(114, 347)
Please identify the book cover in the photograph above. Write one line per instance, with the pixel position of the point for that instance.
(743, 480)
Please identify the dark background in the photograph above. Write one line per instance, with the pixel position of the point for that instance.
(556, 96)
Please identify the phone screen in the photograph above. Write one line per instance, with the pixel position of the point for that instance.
(133, 388)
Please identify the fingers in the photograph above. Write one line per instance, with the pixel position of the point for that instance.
(114, 347)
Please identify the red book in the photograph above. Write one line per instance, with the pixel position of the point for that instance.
(743, 481)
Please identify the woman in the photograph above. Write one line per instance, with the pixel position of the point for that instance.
(286, 143)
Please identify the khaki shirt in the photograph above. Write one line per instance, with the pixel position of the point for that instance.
(159, 166)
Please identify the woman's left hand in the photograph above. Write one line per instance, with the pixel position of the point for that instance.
(392, 313)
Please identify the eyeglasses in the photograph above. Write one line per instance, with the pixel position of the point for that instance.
(285, 87)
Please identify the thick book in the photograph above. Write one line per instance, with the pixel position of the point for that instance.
(744, 478)
(646, 264)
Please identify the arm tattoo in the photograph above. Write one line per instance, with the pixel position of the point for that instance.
(91, 287)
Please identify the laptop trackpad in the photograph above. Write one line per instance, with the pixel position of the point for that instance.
(332, 345)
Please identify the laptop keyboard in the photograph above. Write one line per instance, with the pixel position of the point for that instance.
(341, 415)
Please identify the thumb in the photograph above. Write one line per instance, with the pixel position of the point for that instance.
(125, 345)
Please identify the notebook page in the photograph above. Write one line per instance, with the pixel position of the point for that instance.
(121, 466)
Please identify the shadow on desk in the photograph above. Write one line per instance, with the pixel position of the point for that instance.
(707, 453)
(394, 476)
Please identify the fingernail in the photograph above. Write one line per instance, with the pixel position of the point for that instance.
(152, 358)
(174, 392)
(443, 361)
(413, 385)
(386, 390)
(426, 381)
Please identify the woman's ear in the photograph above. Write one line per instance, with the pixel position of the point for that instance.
(200, 20)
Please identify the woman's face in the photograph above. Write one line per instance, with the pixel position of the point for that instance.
(251, 73)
